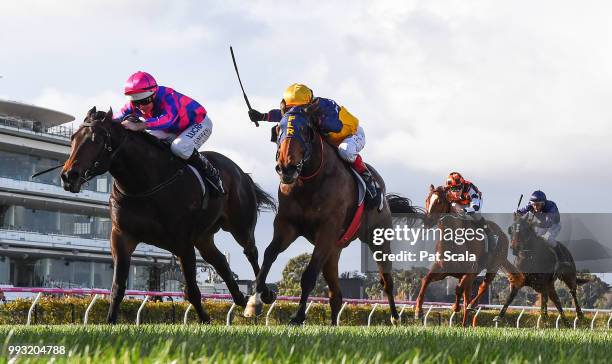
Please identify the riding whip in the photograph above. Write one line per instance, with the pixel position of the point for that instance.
(46, 171)
(246, 99)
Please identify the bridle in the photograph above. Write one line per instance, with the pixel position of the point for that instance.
(307, 146)
(95, 170)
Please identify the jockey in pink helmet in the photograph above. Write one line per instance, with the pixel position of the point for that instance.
(171, 116)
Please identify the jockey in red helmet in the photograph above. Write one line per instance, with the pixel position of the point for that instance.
(463, 195)
(169, 115)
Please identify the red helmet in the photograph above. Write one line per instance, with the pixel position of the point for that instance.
(454, 180)
(139, 86)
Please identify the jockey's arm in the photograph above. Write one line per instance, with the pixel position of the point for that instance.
(524, 210)
(125, 111)
(168, 116)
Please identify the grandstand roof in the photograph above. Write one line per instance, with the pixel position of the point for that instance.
(46, 117)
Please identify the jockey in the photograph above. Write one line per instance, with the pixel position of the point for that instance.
(547, 224)
(463, 195)
(466, 198)
(546, 213)
(169, 115)
(340, 128)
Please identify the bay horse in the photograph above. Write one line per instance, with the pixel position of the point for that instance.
(536, 261)
(439, 212)
(318, 200)
(157, 199)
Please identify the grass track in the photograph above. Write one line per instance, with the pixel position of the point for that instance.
(248, 344)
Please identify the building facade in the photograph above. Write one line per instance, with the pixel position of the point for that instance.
(53, 238)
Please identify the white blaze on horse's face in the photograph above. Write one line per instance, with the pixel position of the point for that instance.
(432, 200)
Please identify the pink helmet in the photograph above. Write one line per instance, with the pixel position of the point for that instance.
(139, 86)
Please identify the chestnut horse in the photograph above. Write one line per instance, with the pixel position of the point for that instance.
(318, 200)
(157, 199)
(536, 262)
(438, 211)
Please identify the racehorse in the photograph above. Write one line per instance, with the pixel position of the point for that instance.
(438, 211)
(536, 262)
(318, 201)
(157, 199)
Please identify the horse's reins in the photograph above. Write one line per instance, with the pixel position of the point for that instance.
(305, 178)
(91, 173)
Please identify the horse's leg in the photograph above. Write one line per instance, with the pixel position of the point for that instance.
(544, 300)
(482, 289)
(553, 296)
(320, 254)
(386, 280)
(245, 236)
(122, 247)
(513, 291)
(330, 273)
(466, 283)
(284, 235)
(188, 265)
(432, 276)
(570, 281)
(456, 307)
(214, 257)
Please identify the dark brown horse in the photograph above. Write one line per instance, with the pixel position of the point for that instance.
(157, 199)
(317, 200)
(536, 262)
(438, 211)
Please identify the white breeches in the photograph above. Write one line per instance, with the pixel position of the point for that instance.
(193, 137)
(351, 146)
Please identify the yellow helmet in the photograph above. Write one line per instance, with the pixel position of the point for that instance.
(297, 94)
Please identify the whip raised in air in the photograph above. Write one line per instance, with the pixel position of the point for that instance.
(240, 82)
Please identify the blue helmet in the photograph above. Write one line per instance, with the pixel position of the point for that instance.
(538, 196)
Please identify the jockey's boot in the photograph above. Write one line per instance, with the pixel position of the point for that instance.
(207, 170)
(563, 261)
(373, 189)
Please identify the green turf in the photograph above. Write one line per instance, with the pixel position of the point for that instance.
(248, 344)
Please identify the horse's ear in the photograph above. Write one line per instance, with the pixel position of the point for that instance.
(109, 115)
(91, 113)
(431, 188)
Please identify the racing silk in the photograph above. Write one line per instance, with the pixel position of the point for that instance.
(547, 218)
(470, 197)
(334, 121)
(172, 112)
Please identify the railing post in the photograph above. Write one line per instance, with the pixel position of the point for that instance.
(427, 315)
(401, 312)
(475, 319)
(187, 314)
(140, 310)
(610, 320)
(86, 317)
(340, 313)
(518, 320)
(228, 318)
(32, 307)
(557, 321)
(593, 320)
(576, 322)
(538, 322)
(450, 320)
(305, 312)
(371, 313)
(269, 312)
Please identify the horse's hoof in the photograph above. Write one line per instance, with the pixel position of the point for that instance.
(296, 321)
(254, 306)
(268, 297)
(395, 321)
